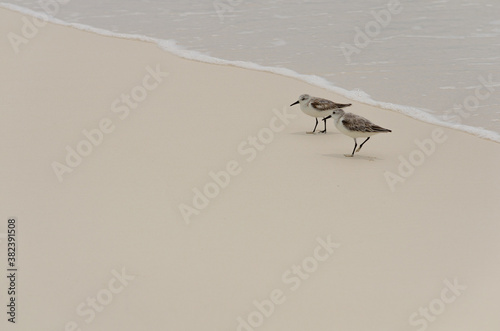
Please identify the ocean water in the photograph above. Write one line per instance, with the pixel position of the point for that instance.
(438, 61)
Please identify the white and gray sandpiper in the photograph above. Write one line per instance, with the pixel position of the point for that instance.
(318, 107)
(355, 126)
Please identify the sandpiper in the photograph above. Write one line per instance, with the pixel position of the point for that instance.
(355, 126)
(318, 107)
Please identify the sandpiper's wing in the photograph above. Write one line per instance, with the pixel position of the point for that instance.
(357, 123)
(324, 105)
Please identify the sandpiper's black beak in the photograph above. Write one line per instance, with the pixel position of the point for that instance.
(296, 102)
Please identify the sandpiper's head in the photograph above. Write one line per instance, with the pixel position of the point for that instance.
(338, 113)
(303, 99)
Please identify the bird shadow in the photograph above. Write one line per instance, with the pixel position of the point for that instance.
(356, 156)
(303, 133)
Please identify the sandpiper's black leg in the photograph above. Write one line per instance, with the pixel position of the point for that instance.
(355, 145)
(315, 125)
(362, 144)
(324, 121)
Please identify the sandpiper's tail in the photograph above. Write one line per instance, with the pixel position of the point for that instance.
(343, 105)
(377, 128)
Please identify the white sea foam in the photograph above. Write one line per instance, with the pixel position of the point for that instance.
(171, 46)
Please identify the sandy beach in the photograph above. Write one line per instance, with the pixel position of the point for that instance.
(152, 192)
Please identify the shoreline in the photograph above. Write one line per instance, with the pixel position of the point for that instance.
(171, 47)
